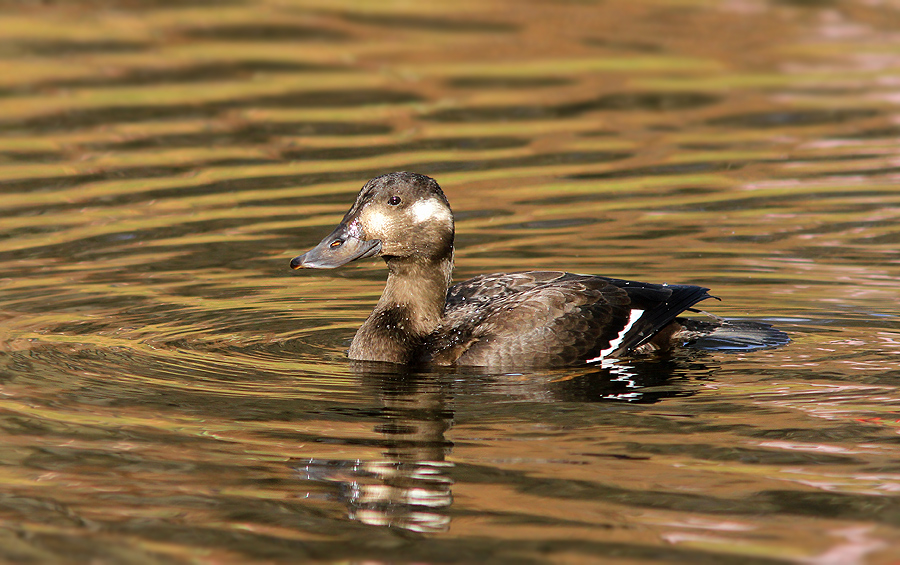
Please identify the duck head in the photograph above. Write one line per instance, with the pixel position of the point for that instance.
(402, 217)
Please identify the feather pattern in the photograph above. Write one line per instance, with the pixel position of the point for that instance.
(551, 318)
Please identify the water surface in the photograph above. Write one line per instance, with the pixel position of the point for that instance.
(171, 392)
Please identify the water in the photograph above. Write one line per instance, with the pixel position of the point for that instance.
(171, 393)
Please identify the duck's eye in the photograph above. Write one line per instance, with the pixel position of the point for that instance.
(336, 243)
(394, 200)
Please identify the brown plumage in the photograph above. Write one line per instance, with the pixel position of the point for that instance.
(535, 318)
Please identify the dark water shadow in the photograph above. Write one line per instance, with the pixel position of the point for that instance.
(623, 101)
(258, 133)
(425, 23)
(265, 32)
(435, 144)
(64, 47)
(186, 74)
(788, 118)
(476, 82)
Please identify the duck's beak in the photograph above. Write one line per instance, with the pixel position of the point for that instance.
(343, 245)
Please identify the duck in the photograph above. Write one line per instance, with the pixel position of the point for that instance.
(529, 318)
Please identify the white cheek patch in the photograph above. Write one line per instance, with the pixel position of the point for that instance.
(375, 222)
(635, 316)
(431, 210)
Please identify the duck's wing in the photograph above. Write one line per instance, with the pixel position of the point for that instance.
(658, 304)
(553, 318)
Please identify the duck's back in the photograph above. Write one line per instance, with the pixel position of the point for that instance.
(553, 318)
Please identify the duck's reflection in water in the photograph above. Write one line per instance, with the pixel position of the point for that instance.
(410, 487)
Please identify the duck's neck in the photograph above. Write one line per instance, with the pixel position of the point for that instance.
(410, 308)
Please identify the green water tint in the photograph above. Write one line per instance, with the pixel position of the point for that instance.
(171, 392)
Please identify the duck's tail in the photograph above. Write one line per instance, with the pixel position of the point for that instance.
(730, 335)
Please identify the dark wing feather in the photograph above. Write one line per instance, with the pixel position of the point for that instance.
(661, 304)
(532, 318)
(550, 318)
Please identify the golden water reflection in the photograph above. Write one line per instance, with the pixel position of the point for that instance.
(170, 392)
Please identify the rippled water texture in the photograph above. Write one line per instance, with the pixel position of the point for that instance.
(170, 392)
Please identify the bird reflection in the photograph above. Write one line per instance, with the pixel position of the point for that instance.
(409, 487)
